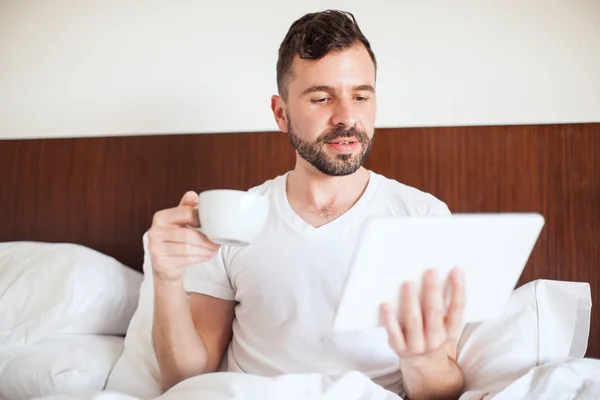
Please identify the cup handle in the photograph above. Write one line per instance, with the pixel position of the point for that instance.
(199, 229)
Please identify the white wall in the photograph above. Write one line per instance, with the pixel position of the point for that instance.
(84, 68)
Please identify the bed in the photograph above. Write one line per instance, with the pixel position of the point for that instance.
(100, 193)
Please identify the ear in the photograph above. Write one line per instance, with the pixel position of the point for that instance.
(278, 107)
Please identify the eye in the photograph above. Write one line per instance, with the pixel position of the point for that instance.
(320, 100)
(361, 98)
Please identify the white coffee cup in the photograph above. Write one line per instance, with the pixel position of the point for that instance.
(232, 217)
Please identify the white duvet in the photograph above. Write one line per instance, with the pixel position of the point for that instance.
(575, 379)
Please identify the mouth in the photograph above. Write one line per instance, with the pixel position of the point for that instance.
(343, 145)
(343, 141)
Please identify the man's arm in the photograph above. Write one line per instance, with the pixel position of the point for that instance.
(190, 337)
(425, 338)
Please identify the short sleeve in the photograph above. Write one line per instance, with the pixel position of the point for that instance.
(210, 278)
(440, 209)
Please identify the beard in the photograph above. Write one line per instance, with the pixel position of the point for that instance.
(336, 165)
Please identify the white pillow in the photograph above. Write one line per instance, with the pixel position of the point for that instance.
(544, 321)
(137, 373)
(59, 365)
(62, 288)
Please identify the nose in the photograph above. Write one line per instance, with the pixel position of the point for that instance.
(343, 113)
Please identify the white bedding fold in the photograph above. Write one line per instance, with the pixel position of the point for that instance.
(571, 380)
(240, 386)
(577, 379)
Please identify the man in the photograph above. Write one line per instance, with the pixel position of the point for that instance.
(269, 306)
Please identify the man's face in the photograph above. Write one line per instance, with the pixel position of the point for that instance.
(330, 111)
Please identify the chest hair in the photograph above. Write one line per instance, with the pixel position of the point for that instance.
(328, 213)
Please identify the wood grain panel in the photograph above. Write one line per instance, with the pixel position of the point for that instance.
(102, 192)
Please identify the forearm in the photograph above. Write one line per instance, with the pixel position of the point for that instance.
(432, 380)
(179, 348)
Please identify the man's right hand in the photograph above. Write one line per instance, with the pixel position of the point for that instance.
(173, 244)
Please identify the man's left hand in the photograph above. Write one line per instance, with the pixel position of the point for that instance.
(423, 329)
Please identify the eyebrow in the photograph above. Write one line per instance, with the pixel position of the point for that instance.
(329, 89)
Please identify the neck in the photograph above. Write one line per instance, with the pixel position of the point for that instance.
(308, 186)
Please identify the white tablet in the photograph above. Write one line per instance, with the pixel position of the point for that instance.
(492, 249)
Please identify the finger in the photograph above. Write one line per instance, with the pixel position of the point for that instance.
(395, 336)
(168, 249)
(433, 311)
(411, 319)
(178, 234)
(457, 304)
(190, 198)
(181, 216)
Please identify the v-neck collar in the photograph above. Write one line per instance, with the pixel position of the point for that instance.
(304, 227)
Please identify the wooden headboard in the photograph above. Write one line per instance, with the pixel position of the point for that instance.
(103, 192)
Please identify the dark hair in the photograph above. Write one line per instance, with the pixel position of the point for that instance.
(313, 36)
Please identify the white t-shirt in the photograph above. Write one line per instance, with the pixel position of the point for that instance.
(288, 283)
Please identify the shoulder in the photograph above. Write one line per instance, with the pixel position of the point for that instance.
(268, 187)
(409, 200)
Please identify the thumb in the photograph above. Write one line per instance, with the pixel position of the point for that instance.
(190, 198)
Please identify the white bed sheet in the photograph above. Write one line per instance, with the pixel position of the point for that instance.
(577, 379)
